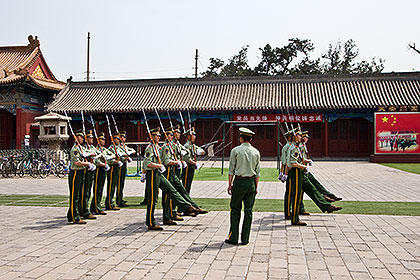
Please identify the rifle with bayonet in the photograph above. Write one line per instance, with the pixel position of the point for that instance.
(112, 139)
(166, 136)
(155, 150)
(72, 133)
(97, 139)
(119, 135)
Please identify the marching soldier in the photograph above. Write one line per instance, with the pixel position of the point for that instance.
(154, 180)
(113, 173)
(244, 168)
(76, 177)
(89, 173)
(330, 197)
(100, 175)
(123, 170)
(191, 159)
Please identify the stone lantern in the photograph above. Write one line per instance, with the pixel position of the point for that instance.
(53, 130)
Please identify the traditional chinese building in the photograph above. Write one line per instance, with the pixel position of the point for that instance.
(26, 85)
(338, 111)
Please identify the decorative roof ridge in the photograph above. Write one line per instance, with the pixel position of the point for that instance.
(248, 80)
(33, 43)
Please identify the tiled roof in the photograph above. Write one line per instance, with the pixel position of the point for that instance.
(15, 62)
(242, 94)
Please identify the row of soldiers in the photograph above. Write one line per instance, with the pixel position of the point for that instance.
(169, 167)
(295, 162)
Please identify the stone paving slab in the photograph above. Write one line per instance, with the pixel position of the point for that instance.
(356, 181)
(38, 243)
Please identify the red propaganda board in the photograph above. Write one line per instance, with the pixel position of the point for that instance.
(299, 118)
(397, 133)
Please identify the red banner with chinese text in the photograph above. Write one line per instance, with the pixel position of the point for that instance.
(299, 118)
(397, 133)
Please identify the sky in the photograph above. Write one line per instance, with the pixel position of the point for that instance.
(157, 39)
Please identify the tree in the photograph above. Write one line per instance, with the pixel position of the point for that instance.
(215, 67)
(238, 65)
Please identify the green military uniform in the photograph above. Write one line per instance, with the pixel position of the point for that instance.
(295, 182)
(99, 180)
(244, 165)
(170, 174)
(112, 178)
(75, 181)
(284, 154)
(155, 180)
(188, 172)
(122, 174)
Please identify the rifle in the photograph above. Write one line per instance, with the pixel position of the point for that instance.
(176, 140)
(112, 138)
(151, 138)
(72, 133)
(166, 136)
(97, 139)
(182, 121)
(116, 128)
(84, 132)
(192, 144)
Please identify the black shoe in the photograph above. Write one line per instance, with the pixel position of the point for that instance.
(89, 217)
(123, 205)
(80, 222)
(144, 202)
(300, 223)
(337, 198)
(329, 199)
(305, 213)
(228, 241)
(334, 208)
(244, 243)
(169, 223)
(287, 217)
(155, 227)
(201, 211)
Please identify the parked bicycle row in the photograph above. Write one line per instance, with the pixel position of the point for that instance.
(38, 163)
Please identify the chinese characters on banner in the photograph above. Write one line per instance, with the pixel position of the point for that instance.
(297, 118)
(397, 133)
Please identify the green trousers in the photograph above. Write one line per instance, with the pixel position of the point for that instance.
(98, 188)
(243, 191)
(168, 206)
(85, 193)
(113, 179)
(314, 194)
(75, 181)
(188, 176)
(154, 181)
(295, 178)
(319, 186)
(287, 199)
(121, 184)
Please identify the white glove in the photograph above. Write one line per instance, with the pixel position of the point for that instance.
(132, 152)
(306, 170)
(184, 164)
(281, 176)
(109, 157)
(162, 169)
(200, 152)
(284, 178)
(179, 165)
(310, 162)
(184, 153)
(97, 156)
(143, 177)
(91, 167)
(197, 165)
(129, 159)
(106, 167)
(120, 164)
(85, 155)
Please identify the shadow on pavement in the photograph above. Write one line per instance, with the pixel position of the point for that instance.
(57, 222)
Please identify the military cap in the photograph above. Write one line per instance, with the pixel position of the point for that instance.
(176, 128)
(89, 133)
(190, 131)
(305, 133)
(101, 136)
(115, 135)
(79, 132)
(155, 131)
(123, 133)
(245, 131)
(169, 131)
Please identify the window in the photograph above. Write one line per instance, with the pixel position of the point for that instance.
(49, 130)
(62, 129)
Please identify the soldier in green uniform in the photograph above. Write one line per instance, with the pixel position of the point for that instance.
(154, 180)
(172, 163)
(284, 177)
(101, 171)
(89, 174)
(244, 171)
(190, 159)
(329, 196)
(76, 177)
(127, 152)
(113, 173)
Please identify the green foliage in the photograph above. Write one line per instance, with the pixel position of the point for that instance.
(408, 167)
(339, 59)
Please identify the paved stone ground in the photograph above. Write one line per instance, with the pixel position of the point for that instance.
(38, 243)
(357, 181)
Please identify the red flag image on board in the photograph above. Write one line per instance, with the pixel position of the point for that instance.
(397, 133)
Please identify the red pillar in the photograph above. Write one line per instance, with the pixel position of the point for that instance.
(325, 140)
(20, 128)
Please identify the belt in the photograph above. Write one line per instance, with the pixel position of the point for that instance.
(243, 177)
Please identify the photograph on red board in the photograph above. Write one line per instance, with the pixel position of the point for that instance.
(397, 133)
